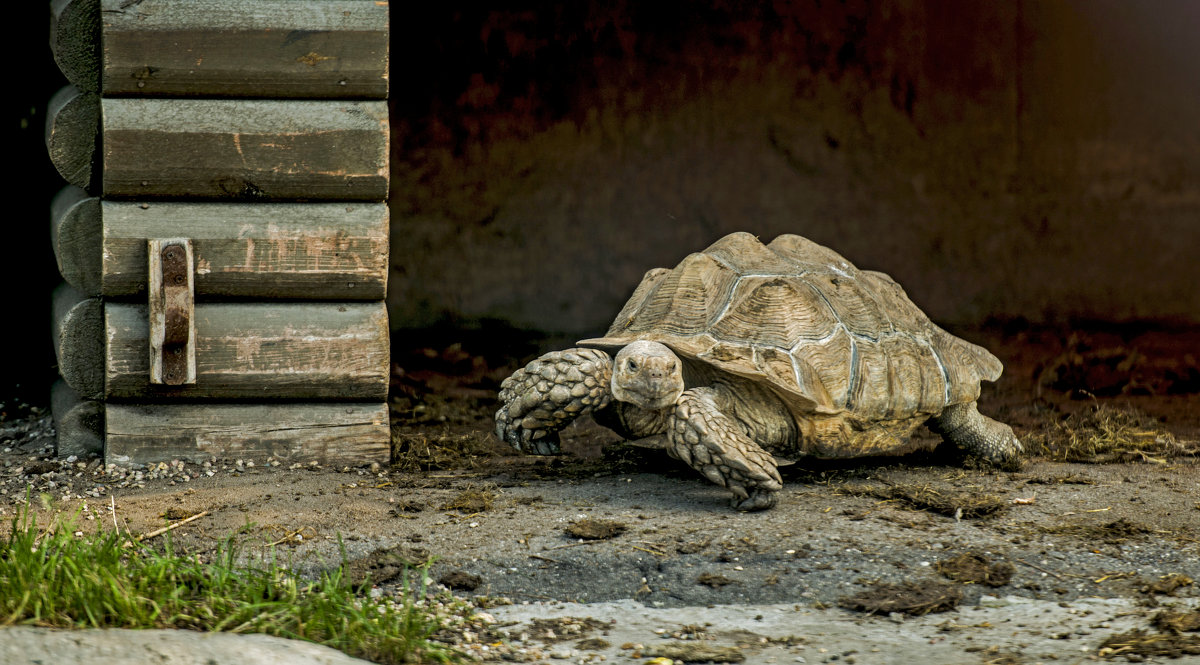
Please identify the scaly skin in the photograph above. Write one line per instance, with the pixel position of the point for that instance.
(706, 427)
(705, 438)
(963, 425)
(538, 401)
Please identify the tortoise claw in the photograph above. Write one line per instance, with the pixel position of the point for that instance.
(758, 500)
(544, 445)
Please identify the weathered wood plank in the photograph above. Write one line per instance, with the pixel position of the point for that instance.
(350, 434)
(224, 48)
(246, 48)
(78, 422)
(72, 126)
(310, 251)
(251, 150)
(79, 340)
(279, 250)
(75, 235)
(259, 351)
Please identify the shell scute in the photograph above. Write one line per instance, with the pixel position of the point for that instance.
(684, 301)
(855, 307)
(965, 365)
(650, 283)
(774, 311)
(915, 374)
(829, 361)
(810, 256)
(782, 370)
(901, 312)
(747, 256)
(825, 336)
(871, 384)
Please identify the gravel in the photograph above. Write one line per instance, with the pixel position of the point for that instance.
(1083, 541)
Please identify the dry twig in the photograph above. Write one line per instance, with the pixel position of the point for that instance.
(161, 531)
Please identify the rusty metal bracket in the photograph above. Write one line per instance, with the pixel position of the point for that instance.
(172, 311)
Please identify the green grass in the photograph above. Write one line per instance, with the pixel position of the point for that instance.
(53, 577)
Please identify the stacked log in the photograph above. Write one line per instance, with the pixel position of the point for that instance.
(223, 237)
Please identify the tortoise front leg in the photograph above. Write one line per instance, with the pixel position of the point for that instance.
(711, 442)
(551, 391)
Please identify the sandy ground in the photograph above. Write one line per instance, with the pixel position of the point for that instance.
(1038, 564)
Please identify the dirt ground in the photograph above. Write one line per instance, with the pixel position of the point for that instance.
(1091, 539)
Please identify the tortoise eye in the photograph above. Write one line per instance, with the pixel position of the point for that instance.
(632, 366)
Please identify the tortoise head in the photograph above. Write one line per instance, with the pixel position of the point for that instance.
(647, 374)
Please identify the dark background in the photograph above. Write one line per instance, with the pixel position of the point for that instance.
(28, 272)
(1035, 159)
(1029, 160)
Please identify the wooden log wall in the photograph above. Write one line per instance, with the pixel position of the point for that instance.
(223, 237)
(327, 251)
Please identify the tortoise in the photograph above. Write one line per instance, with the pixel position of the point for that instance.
(744, 350)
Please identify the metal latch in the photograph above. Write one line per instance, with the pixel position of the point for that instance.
(172, 312)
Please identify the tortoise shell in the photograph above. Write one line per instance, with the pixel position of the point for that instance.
(797, 317)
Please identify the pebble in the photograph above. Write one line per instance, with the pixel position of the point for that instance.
(31, 468)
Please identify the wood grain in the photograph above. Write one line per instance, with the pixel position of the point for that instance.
(336, 351)
(248, 150)
(278, 250)
(72, 128)
(311, 251)
(246, 48)
(75, 236)
(75, 41)
(78, 325)
(350, 434)
(78, 422)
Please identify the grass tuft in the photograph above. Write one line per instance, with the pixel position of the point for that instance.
(63, 578)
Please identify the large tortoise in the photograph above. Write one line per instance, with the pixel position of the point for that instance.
(743, 349)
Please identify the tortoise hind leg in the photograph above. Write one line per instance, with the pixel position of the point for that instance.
(709, 441)
(963, 425)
